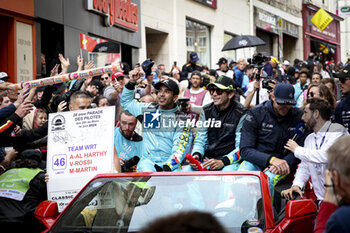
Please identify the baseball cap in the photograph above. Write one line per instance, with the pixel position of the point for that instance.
(196, 72)
(98, 84)
(284, 94)
(222, 61)
(3, 75)
(194, 56)
(274, 60)
(117, 75)
(169, 84)
(223, 83)
(343, 75)
(286, 63)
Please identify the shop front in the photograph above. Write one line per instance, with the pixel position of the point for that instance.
(17, 44)
(112, 28)
(324, 44)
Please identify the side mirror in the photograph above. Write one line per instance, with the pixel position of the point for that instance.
(47, 213)
(299, 208)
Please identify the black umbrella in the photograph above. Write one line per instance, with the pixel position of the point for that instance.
(239, 42)
(107, 47)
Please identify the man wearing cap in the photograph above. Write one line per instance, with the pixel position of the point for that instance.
(223, 68)
(342, 111)
(219, 145)
(164, 138)
(191, 65)
(265, 132)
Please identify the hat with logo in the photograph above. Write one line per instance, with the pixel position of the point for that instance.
(169, 84)
(98, 84)
(223, 83)
(284, 94)
(222, 61)
(117, 75)
(343, 75)
(194, 56)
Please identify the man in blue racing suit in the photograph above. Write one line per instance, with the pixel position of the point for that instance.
(265, 132)
(165, 135)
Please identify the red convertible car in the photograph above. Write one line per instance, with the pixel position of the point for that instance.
(125, 202)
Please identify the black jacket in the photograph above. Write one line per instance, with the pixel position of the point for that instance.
(265, 133)
(221, 141)
(342, 113)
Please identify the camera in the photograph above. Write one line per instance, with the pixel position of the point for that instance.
(147, 66)
(127, 167)
(266, 82)
(257, 60)
(182, 102)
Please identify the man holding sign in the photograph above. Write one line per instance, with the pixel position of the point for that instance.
(80, 146)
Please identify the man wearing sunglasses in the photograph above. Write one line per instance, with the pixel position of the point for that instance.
(218, 145)
(342, 111)
(265, 132)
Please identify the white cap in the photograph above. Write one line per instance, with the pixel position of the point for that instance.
(3, 75)
(286, 63)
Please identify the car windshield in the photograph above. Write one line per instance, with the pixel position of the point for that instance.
(126, 204)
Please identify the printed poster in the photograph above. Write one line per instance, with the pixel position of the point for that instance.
(80, 146)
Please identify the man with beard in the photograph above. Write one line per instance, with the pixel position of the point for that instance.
(313, 155)
(164, 139)
(265, 132)
(219, 145)
(126, 141)
(198, 96)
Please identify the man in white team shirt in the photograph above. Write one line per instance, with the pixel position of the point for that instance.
(313, 155)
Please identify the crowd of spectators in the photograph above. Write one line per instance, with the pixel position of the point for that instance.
(240, 116)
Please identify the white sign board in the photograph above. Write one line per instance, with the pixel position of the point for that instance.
(80, 145)
(24, 52)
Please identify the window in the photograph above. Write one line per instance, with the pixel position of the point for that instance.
(231, 54)
(198, 40)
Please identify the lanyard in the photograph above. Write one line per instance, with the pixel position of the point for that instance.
(323, 138)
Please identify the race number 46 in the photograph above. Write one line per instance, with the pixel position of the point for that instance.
(59, 162)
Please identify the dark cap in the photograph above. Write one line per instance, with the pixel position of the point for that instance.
(147, 66)
(284, 94)
(343, 75)
(196, 72)
(169, 84)
(194, 56)
(58, 88)
(223, 83)
(98, 84)
(222, 61)
(31, 154)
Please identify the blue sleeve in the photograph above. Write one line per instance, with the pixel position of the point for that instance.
(180, 143)
(249, 140)
(232, 156)
(7, 111)
(131, 105)
(239, 77)
(201, 140)
(245, 82)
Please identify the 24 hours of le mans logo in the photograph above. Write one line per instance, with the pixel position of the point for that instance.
(58, 123)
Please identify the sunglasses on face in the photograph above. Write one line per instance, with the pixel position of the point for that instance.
(105, 78)
(217, 90)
